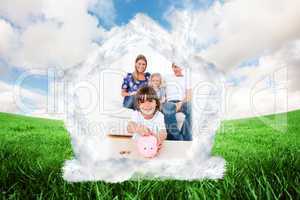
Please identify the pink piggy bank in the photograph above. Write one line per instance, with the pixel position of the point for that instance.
(147, 146)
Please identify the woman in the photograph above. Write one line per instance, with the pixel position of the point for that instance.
(133, 81)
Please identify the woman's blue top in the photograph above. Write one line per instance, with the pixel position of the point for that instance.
(131, 85)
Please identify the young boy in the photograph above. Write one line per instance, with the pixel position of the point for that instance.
(147, 119)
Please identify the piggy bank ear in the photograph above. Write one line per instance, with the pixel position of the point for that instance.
(154, 140)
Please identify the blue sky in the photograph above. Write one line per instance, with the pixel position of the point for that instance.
(127, 9)
(11, 74)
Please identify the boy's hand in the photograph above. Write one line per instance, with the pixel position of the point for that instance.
(143, 130)
(159, 142)
(159, 145)
(161, 136)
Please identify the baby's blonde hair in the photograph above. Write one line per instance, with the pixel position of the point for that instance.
(156, 75)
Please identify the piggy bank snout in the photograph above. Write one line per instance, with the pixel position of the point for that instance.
(147, 146)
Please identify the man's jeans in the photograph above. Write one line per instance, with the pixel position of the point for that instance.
(128, 102)
(169, 110)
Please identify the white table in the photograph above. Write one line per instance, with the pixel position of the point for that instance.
(124, 147)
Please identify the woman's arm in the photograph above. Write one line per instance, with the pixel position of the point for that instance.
(125, 86)
(124, 93)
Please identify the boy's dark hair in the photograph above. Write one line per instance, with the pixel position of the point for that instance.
(146, 93)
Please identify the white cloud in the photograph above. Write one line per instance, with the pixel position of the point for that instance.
(8, 38)
(104, 10)
(19, 12)
(249, 28)
(88, 123)
(273, 85)
(16, 99)
(239, 29)
(50, 33)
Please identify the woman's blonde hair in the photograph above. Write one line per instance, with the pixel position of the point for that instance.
(139, 57)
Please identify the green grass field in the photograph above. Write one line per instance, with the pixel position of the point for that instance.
(262, 163)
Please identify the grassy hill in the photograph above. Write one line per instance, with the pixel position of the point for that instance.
(262, 163)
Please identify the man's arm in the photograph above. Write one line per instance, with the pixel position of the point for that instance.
(187, 98)
(188, 95)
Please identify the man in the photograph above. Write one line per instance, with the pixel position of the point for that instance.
(178, 95)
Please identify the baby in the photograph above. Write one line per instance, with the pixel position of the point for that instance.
(156, 84)
(147, 120)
